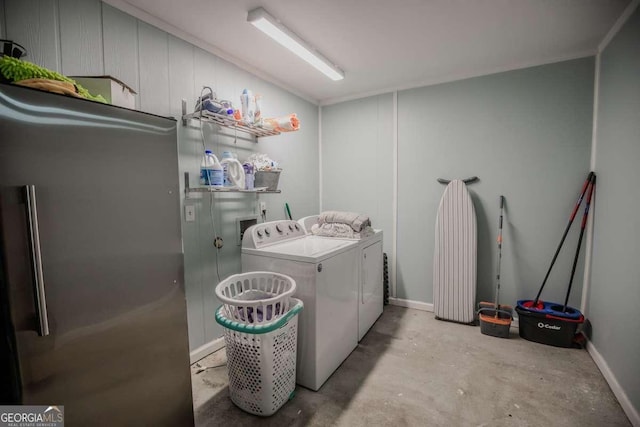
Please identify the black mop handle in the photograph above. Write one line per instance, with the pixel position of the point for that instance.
(497, 305)
(564, 236)
(582, 227)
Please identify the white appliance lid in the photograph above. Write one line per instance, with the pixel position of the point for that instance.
(306, 249)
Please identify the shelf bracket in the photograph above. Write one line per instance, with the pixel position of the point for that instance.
(186, 183)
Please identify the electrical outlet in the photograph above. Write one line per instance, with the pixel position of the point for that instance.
(263, 206)
(189, 213)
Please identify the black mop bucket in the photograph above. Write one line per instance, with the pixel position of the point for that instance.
(548, 323)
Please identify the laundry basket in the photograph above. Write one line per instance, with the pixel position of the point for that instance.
(257, 297)
(261, 359)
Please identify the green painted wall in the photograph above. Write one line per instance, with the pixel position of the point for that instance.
(614, 292)
(527, 135)
(357, 159)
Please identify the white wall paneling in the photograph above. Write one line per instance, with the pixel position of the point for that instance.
(205, 72)
(153, 51)
(81, 37)
(320, 162)
(34, 25)
(181, 75)
(3, 25)
(393, 261)
(120, 38)
(358, 157)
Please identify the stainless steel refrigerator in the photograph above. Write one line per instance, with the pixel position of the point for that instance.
(92, 300)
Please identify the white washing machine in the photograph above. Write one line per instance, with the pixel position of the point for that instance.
(327, 284)
(370, 276)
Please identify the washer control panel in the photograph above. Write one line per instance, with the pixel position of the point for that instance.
(268, 233)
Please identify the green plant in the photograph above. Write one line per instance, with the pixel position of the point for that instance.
(14, 70)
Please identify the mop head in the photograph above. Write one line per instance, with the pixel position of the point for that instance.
(546, 308)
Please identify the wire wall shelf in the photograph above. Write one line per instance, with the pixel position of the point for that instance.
(224, 121)
(209, 189)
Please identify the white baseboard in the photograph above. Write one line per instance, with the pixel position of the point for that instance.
(425, 306)
(418, 305)
(205, 350)
(627, 406)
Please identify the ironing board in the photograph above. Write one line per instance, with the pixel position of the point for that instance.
(454, 260)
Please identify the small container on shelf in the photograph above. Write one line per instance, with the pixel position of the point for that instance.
(267, 179)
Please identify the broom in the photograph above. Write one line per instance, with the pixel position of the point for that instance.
(495, 319)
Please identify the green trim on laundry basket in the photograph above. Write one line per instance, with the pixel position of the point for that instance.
(260, 328)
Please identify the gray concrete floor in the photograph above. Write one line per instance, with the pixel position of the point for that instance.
(413, 370)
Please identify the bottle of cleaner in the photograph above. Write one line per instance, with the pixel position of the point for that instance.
(248, 102)
(248, 175)
(235, 173)
(211, 172)
(226, 155)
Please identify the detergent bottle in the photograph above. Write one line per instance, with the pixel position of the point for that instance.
(211, 172)
(233, 172)
(248, 102)
(225, 168)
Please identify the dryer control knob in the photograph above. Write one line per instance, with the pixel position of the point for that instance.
(259, 233)
(267, 231)
(279, 228)
(290, 227)
(297, 227)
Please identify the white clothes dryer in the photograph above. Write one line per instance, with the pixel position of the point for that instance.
(326, 279)
(370, 275)
(371, 282)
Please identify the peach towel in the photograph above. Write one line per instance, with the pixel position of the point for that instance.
(286, 123)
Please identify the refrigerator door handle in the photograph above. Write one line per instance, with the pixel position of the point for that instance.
(36, 253)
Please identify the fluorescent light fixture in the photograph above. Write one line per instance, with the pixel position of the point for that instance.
(274, 29)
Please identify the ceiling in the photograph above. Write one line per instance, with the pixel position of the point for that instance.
(390, 45)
